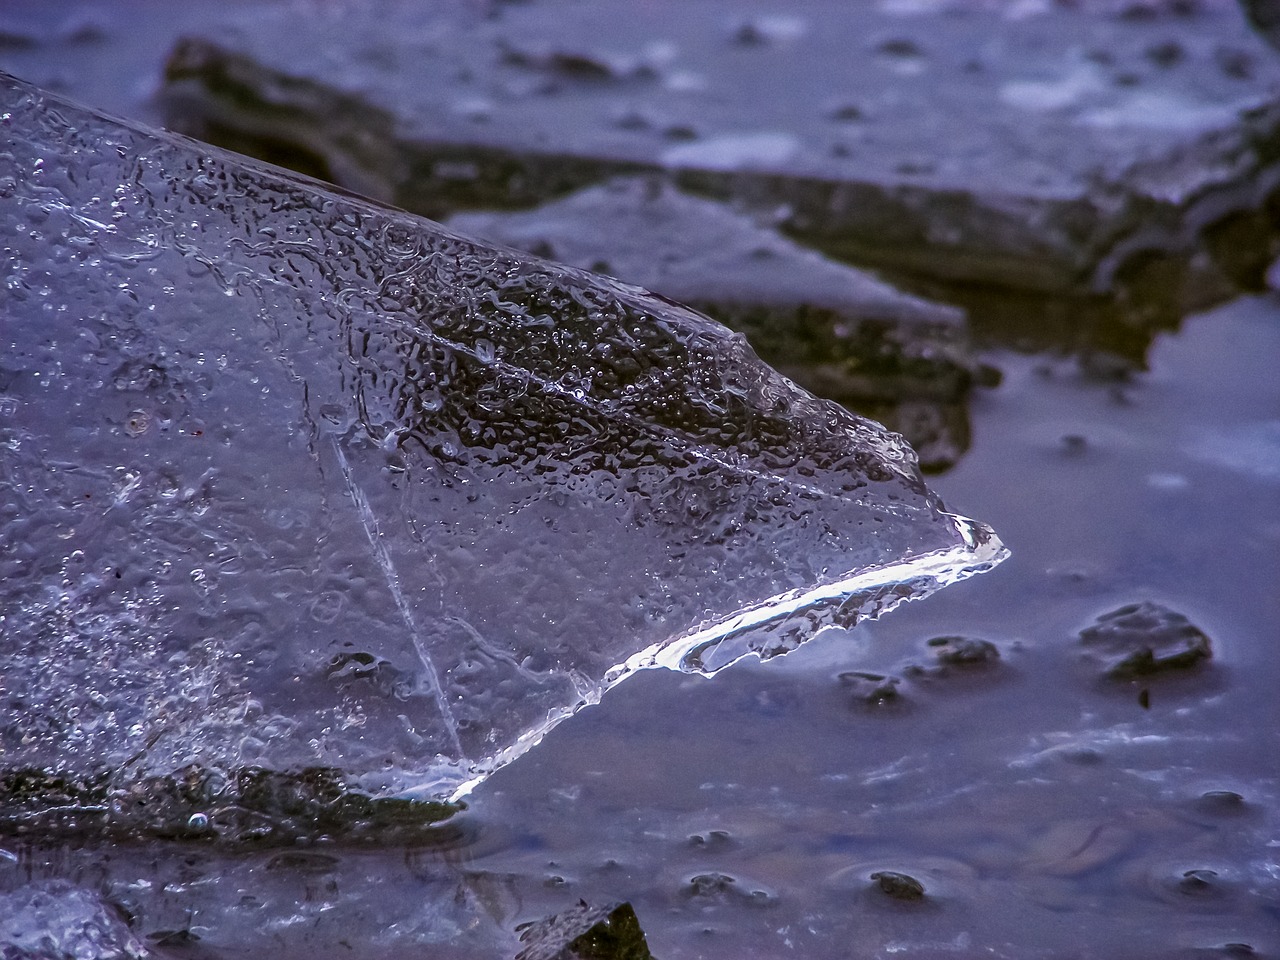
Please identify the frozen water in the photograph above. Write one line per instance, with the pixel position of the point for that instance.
(296, 482)
(56, 920)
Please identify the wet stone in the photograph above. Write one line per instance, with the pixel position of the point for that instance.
(897, 886)
(1062, 173)
(55, 920)
(715, 888)
(711, 885)
(584, 932)
(964, 651)
(331, 512)
(1222, 803)
(1237, 949)
(712, 841)
(833, 328)
(1142, 639)
(870, 689)
(1199, 883)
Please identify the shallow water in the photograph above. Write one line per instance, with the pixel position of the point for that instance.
(1046, 811)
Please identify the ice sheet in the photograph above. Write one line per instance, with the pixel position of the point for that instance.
(292, 480)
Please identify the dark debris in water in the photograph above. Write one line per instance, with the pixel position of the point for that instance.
(964, 651)
(1200, 882)
(1142, 639)
(1221, 803)
(584, 932)
(870, 689)
(953, 658)
(898, 886)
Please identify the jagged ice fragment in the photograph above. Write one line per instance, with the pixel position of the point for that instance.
(294, 480)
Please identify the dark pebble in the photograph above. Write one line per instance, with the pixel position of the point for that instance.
(871, 689)
(710, 884)
(964, 651)
(1199, 883)
(1142, 639)
(711, 840)
(1221, 803)
(584, 932)
(899, 886)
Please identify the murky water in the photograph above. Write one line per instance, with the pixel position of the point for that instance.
(1046, 810)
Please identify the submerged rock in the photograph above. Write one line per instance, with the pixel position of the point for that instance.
(870, 689)
(1061, 148)
(964, 651)
(1141, 639)
(304, 483)
(584, 932)
(834, 329)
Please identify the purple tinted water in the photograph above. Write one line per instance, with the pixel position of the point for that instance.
(1046, 811)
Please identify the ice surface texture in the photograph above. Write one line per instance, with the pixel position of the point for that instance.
(292, 480)
(55, 920)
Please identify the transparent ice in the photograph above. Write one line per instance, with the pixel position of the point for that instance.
(294, 481)
(56, 920)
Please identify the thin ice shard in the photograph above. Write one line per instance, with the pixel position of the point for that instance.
(294, 481)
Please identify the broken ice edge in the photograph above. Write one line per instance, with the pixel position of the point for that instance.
(868, 594)
(709, 647)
